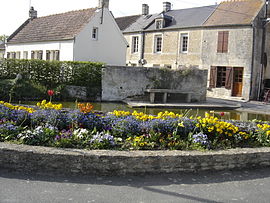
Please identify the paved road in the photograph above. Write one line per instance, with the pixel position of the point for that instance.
(225, 186)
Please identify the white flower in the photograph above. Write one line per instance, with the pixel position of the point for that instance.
(80, 133)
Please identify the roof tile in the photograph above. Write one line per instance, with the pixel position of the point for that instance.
(53, 27)
(236, 12)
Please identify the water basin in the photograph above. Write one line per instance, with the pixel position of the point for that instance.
(111, 106)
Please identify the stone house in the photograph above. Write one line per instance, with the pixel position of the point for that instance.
(83, 35)
(231, 40)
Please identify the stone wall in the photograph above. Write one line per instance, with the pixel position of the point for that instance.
(67, 161)
(119, 83)
(171, 54)
(239, 55)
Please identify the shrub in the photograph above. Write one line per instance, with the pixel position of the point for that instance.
(52, 74)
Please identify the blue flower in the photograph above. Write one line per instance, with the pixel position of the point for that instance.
(200, 138)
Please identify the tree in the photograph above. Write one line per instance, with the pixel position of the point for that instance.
(3, 38)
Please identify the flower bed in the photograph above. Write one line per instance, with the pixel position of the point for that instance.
(49, 125)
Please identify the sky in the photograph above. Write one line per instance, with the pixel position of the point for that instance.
(15, 12)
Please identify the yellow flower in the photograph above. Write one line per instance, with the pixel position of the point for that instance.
(207, 115)
(181, 124)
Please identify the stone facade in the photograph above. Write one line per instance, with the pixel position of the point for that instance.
(170, 54)
(239, 54)
(27, 159)
(119, 83)
(245, 46)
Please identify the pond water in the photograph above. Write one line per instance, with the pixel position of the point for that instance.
(111, 106)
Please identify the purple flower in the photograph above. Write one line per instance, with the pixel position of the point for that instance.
(200, 138)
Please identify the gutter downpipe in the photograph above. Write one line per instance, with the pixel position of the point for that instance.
(141, 61)
(263, 51)
(252, 61)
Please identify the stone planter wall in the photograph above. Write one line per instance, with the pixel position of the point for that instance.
(67, 161)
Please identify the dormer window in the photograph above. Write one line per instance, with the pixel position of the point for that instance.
(159, 24)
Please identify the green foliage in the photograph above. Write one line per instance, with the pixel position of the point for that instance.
(53, 73)
(41, 75)
(3, 38)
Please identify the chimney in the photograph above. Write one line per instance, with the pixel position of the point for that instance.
(104, 3)
(167, 6)
(145, 9)
(32, 13)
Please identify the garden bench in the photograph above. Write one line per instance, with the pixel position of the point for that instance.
(165, 93)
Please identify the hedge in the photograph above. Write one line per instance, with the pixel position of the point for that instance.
(53, 73)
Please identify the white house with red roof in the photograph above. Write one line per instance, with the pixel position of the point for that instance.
(83, 35)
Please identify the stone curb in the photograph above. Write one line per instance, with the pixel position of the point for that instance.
(106, 162)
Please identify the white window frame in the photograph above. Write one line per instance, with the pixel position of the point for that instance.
(134, 49)
(95, 33)
(159, 24)
(18, 55)
(183, 44)
(25, 54)
(156, 41)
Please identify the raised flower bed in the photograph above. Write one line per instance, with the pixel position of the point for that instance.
(49, 125)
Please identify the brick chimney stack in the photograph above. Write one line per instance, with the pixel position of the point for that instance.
(104, 3)
(32, 13)
(145, 9)
(167, 6)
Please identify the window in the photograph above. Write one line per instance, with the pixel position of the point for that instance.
(221, 77)
(56, 55)
(159, 24)
(37, 54)
(135, 44)
(52, 55)
(223, 38)
(184, 43)
(13, 55)
(95, 33)
(167, 66)
(158, 44)
(48, 55)
(156, 65)
(18, 55)
(25, 55)
(8, 55)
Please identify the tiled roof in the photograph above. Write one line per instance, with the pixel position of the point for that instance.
(190, 17)
(141, 23)
(54, 27)
(181, 18)
(239, 12)
(126, 21)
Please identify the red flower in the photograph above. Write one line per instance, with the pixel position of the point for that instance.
(50, 93)
(222, 113)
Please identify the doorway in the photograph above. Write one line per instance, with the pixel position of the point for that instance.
(237, 82)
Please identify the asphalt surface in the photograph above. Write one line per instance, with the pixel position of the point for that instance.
(225, 186)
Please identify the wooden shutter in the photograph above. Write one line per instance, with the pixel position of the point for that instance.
(229, 78)
(213, 77)
(225, 41)
(220, 42)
